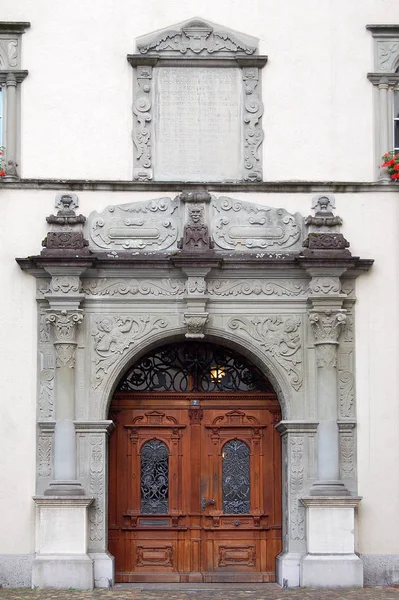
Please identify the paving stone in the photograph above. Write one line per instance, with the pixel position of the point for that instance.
(202, 592)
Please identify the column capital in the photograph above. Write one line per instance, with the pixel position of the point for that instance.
(327, 325)
(11, 79)
(383, 84)
(64, 324)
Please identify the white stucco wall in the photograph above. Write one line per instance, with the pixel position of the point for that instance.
(77, 99)
(318, 122)
(367, 218)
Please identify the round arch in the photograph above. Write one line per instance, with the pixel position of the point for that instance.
(234, 506)
(247, 348)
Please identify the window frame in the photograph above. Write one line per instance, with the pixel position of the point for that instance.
(385, 79)
(11, 77)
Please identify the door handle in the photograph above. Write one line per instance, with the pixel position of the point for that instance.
(205, 503)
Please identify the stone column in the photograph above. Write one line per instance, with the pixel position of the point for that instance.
(383, 87)
(64, 324)
(384, 124)
(330, 510)
(11, 150)
(327, 326)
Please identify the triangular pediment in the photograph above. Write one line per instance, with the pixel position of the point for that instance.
(197, 37)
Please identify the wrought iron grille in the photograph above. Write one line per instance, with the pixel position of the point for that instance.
(236, 478)
(154, 478)
(194, 367)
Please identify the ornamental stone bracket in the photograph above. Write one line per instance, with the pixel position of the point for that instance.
(195, 323)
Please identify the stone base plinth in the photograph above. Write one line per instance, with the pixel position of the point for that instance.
(331, 571)
(331, 560)
(63, 572)
(104, 569)
(288, 568)
(61, 559)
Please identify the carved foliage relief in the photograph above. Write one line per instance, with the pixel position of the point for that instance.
(297, 512)
(44, 445)
(9, 53)
(96, 475)
(196, 37)
(256, 287)
(46, 371)
(387, 55)
(114, 335)
(142, 132)
(280, 338)
(347, 452)
(253, 132)
(240, 225)
(150, 225)
(133, 287)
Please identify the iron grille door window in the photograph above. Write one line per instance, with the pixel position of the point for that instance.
(236, 478)
(154, 478)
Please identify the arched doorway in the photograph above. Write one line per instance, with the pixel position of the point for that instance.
(194, 469)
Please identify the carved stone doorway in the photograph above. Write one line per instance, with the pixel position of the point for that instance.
(195, 469)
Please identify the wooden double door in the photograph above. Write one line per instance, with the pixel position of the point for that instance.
(195, 487)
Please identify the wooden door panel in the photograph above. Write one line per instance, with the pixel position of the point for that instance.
(191, 542)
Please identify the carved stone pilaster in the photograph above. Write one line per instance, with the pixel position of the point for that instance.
(64, 325)
(143, 127)
(297, 448)
(327, 326)
(253, 132)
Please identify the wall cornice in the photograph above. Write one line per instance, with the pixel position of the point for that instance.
(282, 187)
(219, 260)
(14, 26)
(383, 30)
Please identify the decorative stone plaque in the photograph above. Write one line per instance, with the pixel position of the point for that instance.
(149, 225)
(240, 225)
(198, 124)
(197, 106)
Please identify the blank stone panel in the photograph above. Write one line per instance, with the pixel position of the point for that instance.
(198, 123)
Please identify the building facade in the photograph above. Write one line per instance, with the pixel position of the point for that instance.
(200, 290)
